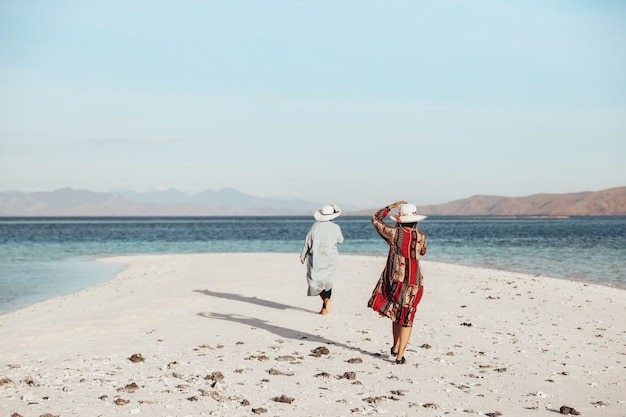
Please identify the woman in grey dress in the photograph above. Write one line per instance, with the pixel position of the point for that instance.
(319, 251)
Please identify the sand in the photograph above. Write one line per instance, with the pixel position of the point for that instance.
(236, 335)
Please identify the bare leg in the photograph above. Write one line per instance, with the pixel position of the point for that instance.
(325, 305)
(404, 336)
(396, 338)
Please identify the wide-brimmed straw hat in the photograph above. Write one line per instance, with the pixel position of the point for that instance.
(327, 213)
(407, 213)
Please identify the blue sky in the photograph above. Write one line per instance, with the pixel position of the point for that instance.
(353, 102)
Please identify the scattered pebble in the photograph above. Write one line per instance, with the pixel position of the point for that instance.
(373, 400)
(258, 358)
(319, 351)
(30, 381)
(136, 357)
(568, 410)
(215, 377)
(348, 375)
(132, 387)
(274, 371)
(284, 399)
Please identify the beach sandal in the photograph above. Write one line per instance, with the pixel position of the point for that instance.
(401, 361)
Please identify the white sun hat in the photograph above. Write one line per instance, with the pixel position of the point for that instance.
(407, 213)
(327, 213)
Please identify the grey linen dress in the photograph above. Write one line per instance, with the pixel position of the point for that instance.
(320, 253)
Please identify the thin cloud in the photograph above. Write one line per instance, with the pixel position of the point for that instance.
(126, 141)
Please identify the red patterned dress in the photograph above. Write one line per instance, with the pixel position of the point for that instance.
(399, 288)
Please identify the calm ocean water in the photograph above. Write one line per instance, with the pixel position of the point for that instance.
(41, 258)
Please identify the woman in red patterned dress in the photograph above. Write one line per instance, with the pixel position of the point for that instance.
(399, 288)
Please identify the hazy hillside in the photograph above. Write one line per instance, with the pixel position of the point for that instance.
(71, 202)
(593, 203)
(229, 202)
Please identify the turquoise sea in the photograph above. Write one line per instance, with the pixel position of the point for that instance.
(41, 258)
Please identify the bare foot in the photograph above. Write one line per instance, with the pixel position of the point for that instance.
(325, 309)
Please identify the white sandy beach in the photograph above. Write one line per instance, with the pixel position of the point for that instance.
(230, 334)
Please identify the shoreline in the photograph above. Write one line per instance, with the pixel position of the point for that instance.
(484, 341)
(98, 258)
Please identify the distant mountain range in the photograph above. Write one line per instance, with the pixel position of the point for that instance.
(230, 202)
(611, 202)
(71, 202)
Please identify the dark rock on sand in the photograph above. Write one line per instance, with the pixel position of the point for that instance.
(568, 410)
(259, 410)
(136, 357)
(284, 399)
(373, 400)
(132, 387)
(274, 371)
(258, 358)
(215, 376)
(30, 382)
(319, 351)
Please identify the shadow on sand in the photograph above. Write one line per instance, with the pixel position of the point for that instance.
(283, 332)
(280, 331)
(253, 300)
